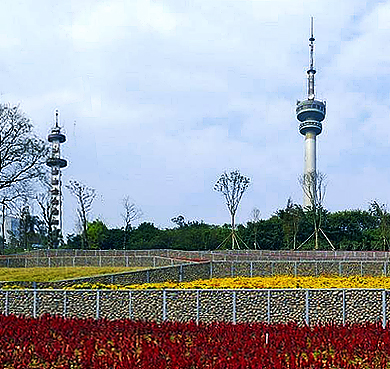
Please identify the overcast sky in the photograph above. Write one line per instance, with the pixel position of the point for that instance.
(158, 98)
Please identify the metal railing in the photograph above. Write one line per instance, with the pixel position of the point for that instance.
(96, 261)
(216, 254)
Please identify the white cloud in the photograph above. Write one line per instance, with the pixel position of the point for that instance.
(159, 97)
(101, 23)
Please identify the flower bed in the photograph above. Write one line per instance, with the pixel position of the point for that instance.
(255, 283)
(54, 342)
(45, 274)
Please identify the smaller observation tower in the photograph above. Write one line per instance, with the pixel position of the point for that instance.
(56, 163)
(310, 113)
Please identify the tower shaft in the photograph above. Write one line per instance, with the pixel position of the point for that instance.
(310, 164)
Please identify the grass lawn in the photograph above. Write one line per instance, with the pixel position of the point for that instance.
(54, 274)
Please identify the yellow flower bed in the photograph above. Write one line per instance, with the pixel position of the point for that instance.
(57, 273)
(255, 282)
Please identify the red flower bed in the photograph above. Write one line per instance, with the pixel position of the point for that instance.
(55, 342)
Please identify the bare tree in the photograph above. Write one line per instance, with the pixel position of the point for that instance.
(22, 153)
(232, 186)
(379, 211)
(22, 158)
(84, 196)
(130, 214)
(255, 218)
(8, 205)
(47, 212)
(29, 227)
(314, 187)
(11, 199)
(46, 216)
(25, 226)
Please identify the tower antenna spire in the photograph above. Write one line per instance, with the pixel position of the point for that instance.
(56, 118)
(311, 71)
(311, 39)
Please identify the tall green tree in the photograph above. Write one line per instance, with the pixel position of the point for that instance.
(145, 236)
(97, 234)
(352, 229)
(379, 211)
(291, 218)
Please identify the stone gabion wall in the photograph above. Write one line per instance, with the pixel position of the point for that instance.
(192, 272)
(274, 306)
(258, 268)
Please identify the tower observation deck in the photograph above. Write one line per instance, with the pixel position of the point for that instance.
(56, 163)
(310, 113)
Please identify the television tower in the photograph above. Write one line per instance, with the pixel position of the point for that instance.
(56, 163)
(310, 113)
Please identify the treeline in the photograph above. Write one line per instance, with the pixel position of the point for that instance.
(286, 229)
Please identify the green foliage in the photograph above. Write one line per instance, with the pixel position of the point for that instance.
(382, 217)
(351, 229)
(28, 233)
(291, 218)
(114, 239)
(269, 234)
(348, 230)
(73, 241)
(146, 236)
(97, 234)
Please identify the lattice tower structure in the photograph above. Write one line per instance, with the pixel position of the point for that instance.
(56, 163)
